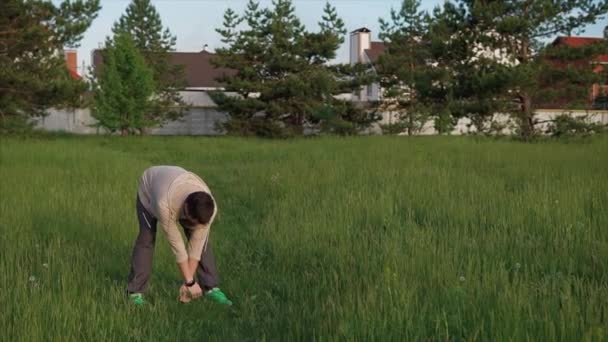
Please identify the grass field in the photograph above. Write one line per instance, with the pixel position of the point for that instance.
(379, 238)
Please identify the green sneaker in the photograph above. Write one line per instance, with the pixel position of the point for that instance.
(216, 295)
(137, 299)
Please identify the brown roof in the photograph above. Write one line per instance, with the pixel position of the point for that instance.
(375, 50)
(198, 70)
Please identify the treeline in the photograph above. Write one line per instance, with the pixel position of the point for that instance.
(465, 58)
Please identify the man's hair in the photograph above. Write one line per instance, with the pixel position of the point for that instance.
(200, 206)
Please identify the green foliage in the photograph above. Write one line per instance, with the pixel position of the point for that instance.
(283, 80)
(444, 121)
(601, 102)
(33, 75)
(566, 75)
(124, 89)
(478, 58)
(143, 23)
(518, 30)
(393, 128)
(566, 125)
(343, 118)
(404, 67)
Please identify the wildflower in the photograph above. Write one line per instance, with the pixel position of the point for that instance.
(462, 279)
(32, 279)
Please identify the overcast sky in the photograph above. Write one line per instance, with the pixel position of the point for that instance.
(194, 21)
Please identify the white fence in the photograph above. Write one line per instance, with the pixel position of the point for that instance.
(204, 120)
(201, 119)
(543, 118)
(77, 121)
(197, 121)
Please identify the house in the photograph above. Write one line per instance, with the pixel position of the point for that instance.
(201, 77)
(364, 50)
(74, 120)
(598, 94)
(202, 118)
(71, 61)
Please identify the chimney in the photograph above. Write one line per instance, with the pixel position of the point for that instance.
(71, 60)
(360, 40)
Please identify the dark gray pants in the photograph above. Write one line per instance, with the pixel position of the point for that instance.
(143, 251)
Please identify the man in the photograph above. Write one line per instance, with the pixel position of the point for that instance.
(170, 194)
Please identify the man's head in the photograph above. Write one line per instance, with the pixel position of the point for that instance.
(199, 208)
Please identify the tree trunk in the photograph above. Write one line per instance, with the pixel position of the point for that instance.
(527, 112)
(527, 117)
(410, 125)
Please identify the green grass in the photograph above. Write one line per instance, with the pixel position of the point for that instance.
(379, 238)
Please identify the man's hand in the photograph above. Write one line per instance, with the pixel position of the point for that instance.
(187, 293)
(195, 290)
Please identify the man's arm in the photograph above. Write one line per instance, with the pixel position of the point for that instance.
(187, 266)
(197, 241)
(188, 269)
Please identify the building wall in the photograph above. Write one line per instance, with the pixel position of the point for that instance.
(78, 121)
(198, 121)
(359, 42)
(201, 119)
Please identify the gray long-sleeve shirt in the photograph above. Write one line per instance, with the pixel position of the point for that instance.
(162, 191)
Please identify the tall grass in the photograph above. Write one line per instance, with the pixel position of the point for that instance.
(379, 238)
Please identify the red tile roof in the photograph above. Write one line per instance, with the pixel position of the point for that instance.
(576, 41)
(601, 59)
(74, 74)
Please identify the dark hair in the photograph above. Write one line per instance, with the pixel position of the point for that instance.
(200, 206)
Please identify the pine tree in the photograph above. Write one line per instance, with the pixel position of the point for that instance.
(124, 88)
(518, 28)
(33, 75)
(568, 73)
(284, 83)
(154, 42)
(404, 65)
(439, 84)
